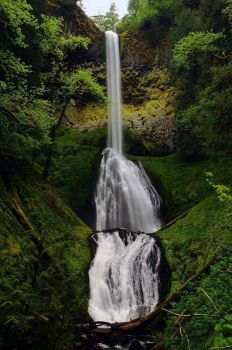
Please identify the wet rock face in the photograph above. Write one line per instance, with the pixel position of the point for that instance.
(135, 49)
(148, 109)
(163, 133)
(146, 83)
(160, 130)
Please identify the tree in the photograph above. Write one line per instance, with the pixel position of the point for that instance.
(196, 43)
(133, 6)
(203, 65)
(109, 20)
(138, 12)
(64, 82)
(25, 116)
(37, 80)
(80, 3)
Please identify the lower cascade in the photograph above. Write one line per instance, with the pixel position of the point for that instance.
(124, 279)
(124, 274)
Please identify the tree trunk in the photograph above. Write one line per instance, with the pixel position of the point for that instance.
(51, 146)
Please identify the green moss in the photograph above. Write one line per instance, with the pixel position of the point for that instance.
(86, 139)
(194, 240)
(75, 169)
(41, 298)
(189, 244)
(210, 323)
(183, 184)
(88, 116)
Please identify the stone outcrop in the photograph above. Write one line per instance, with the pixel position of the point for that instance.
(77, 22)
(160, 130)
(135, 49)
(148, 111)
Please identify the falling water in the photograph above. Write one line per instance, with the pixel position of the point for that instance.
(125, 196)
(124, 280)
(125, 277)
(114, 92)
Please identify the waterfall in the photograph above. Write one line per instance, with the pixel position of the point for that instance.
(124, 279)
(125, 197)
(114, 92)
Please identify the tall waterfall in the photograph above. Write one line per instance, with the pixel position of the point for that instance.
(124, 280)
(114, 92)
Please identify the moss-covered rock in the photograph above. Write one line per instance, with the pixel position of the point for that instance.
(148, 111)
(44, 266)
(193, 241)
(202, 237)
(75, 170)
(183, 184)
(85, 118)
(135, 48)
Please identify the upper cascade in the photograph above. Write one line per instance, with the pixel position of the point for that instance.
(114, 92)
(125, 196)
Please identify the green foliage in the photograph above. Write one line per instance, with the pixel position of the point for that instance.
(80, 83)
(36, 76)
(194, 44)
(15, 16)
(171, 175)
(228, 9)
(139, 11)
(52, 40)
(133, 6)
(223, 192)
(25, 123)
(71, 83)
(207, 123)
(109, 20)
(41, 298)
(25, 117)
(223, 330)
(156, 16)
(203, 75)
(12, 67)
(209, 323)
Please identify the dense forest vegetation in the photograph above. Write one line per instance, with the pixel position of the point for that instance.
(48, 171)
(199, 40)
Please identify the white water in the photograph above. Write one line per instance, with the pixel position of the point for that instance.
(124, 281)
(125, 277)
(125, 197)
(114, 92)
